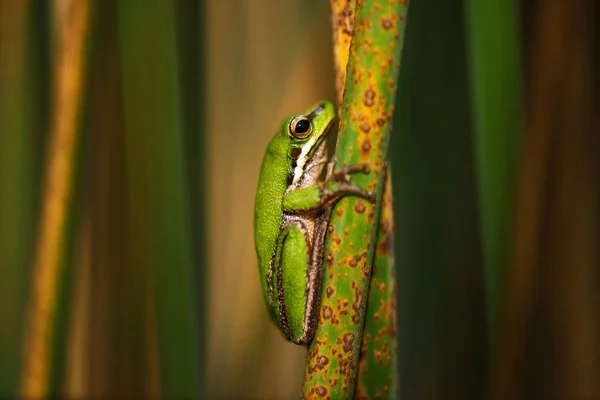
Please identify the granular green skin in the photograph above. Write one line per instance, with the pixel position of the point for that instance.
(366, 113)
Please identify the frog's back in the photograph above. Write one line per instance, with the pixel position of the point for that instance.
(268, 214)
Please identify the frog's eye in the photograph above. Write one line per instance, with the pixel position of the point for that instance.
(300, 127)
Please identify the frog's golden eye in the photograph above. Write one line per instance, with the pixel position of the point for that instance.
(300, 127)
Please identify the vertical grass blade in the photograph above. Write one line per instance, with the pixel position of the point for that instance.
(71, 30)
(122, 357)
(191, 45)
(548, 347)
(17, 112)
(440, 311)
(498, 115)
(156, 174)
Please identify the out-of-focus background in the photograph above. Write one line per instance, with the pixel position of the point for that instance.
(131, 134)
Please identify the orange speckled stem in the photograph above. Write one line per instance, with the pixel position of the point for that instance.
(365, 123)
(342, 21)
(378, 362)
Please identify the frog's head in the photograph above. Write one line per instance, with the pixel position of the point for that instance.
(303, 138)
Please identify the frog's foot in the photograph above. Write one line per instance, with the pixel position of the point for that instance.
(334, 189)
(343, 174)
(337, 182)
(351, 189)
(331, 194)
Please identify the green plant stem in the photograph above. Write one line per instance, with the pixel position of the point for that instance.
(378, 363)
(365, 122)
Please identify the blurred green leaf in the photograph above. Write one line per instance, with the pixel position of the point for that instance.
(17, 146)
(497, 114)
(441, 326)
(156, 172)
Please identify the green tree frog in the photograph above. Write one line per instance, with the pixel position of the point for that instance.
(292, 209)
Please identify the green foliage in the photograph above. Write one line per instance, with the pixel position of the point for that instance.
(17, 148)
(497, 105)
(441, 318)
(158, 204)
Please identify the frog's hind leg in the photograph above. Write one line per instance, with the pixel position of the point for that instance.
(289, 280)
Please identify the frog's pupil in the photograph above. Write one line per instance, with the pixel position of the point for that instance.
(302, 126)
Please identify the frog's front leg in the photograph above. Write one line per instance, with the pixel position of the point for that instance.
(325, 194)
(294, 282)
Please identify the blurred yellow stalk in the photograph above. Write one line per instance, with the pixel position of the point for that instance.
(71, 20)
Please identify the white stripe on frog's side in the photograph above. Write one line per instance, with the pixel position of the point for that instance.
(303, 158)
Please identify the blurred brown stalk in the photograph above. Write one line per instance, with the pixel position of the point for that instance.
(549, 345)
